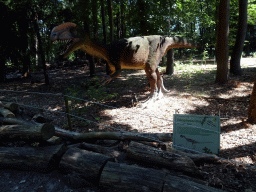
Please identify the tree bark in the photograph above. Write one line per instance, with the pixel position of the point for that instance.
(252, 106)
(222, 41)
(170, 62)
(235, 67)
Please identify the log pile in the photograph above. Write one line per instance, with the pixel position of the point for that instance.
(112, 161)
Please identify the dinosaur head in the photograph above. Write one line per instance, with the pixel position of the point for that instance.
(68, 33)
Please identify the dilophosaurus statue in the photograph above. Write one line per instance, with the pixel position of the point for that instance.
(144, 52)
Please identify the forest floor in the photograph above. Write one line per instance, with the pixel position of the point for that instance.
(115, 106)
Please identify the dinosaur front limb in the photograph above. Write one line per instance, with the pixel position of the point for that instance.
(113, 76)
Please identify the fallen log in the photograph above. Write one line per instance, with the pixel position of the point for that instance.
(9, 105)
(42, 159)
(106, 136)
(85, 163)
(14, 121)
(122, 178)
(6, 113)
(158, 157)
(31, 132)
(173, 183)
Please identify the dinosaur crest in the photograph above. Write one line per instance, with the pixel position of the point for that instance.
(64, 26)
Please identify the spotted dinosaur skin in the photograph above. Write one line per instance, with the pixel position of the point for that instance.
(144, 52)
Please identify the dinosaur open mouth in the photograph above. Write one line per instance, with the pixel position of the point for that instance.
(66, 45)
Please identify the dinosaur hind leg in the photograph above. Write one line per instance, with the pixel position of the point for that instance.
(160, 83)
(152, 78)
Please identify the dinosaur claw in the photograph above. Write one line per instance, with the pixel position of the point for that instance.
(106, 81)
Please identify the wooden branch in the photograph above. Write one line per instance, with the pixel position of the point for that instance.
(26, 132)
(110, 136)
(153, 156)
(31, 158)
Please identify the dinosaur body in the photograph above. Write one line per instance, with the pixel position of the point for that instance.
(143, 52)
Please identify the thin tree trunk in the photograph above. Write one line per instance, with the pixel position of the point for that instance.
(235, 67)
(123, 31)
(222, 41)
(103, 21)
(110, 15)
(87, 7)
(170, 62)
(40, 48)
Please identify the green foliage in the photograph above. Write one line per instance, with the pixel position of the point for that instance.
(251, 13)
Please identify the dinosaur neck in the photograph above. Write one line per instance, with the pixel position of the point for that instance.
(95, 48)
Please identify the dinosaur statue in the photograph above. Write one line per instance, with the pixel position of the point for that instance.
(143, 52)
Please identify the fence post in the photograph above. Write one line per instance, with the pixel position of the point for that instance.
(67, 111)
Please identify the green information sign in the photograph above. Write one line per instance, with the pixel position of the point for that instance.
(197, 132)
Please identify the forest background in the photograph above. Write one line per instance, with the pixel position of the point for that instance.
(27, 25)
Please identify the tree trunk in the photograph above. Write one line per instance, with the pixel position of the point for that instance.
(103, 21)
(252, 107)
(170, 62)
(142, 21)
(110, 15)
(87, 12)
(123, 31)
(235, 67)
(222, 41)
(40, 48)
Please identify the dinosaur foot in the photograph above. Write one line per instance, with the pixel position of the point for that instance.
(106, 80)
(148, 103)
